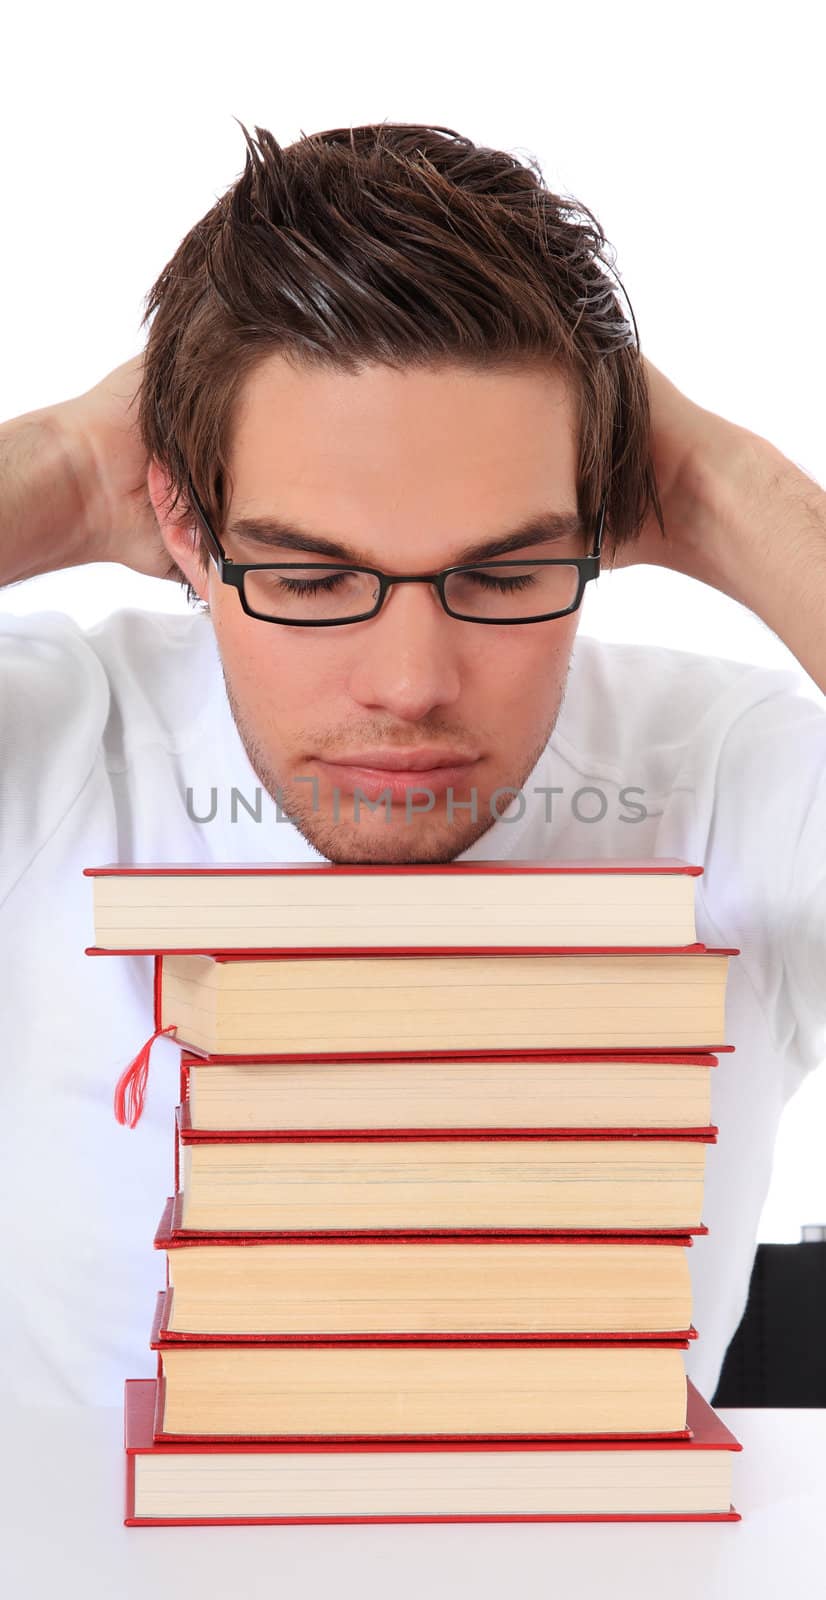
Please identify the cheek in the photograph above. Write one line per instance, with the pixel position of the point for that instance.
(278, 675)
(519, 676)
(249, 650)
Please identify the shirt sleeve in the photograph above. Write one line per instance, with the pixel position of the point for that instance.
(765, 878)
(54, 704)
(805, 956)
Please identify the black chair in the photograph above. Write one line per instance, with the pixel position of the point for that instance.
(778, 1354)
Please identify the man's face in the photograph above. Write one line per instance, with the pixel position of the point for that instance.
(405, 470)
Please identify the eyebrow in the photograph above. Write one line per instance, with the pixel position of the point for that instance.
(547, 527)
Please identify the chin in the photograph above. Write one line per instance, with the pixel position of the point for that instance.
(385, 845)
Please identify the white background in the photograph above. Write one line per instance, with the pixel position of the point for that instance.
(694, 135)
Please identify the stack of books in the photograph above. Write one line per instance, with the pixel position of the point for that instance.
(439, 1158)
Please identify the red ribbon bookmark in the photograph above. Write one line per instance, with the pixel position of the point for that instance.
(130, 1092)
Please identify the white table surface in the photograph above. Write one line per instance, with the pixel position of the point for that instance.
(62, 1534)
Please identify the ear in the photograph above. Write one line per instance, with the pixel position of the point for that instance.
(181, 537)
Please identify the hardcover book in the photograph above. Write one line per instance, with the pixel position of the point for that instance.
(395, 1002)
(468, 1481)
(228, 1286)
(433, 1388)
(610, 1180)
(311, 906)
(525, 1090)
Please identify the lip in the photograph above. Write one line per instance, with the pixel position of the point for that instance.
(398, 781)
(426, 759)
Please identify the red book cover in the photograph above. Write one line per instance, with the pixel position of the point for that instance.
(705, 1428)
(165, 1239)
(159, 1342)
(176, 869)
(192, 1056)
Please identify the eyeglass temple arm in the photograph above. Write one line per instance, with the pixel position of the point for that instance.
(600, 524)
(212, 543)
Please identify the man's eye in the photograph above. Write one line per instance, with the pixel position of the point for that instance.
(309, 585)
(504, 585)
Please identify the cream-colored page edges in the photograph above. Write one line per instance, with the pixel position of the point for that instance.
(434, 1483)
(430, 1288)
(431, 1389)
(444, 1183)
(451, 1094)
(446, 1002)
(286, 909)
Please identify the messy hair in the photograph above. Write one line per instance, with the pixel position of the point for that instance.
(405, 245)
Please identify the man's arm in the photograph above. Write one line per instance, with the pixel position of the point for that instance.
(740, 516)
(41, 500)
(743, 518)
(73, 485)
(772, 553)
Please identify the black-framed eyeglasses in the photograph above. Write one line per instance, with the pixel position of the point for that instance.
(316, 594)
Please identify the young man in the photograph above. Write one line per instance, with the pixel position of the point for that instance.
(369, 355)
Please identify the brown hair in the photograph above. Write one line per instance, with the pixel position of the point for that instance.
(399, 244)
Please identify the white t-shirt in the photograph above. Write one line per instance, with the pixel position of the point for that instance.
(103, 731)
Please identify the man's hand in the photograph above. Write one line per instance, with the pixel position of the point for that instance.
(73, 485)
(739, 516)
(689, 447)
(101, 433)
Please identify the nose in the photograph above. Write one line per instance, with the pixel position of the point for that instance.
(406, 658)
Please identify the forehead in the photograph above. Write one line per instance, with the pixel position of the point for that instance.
(332, 443)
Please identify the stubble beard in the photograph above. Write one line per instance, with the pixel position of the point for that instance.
(428, 836)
